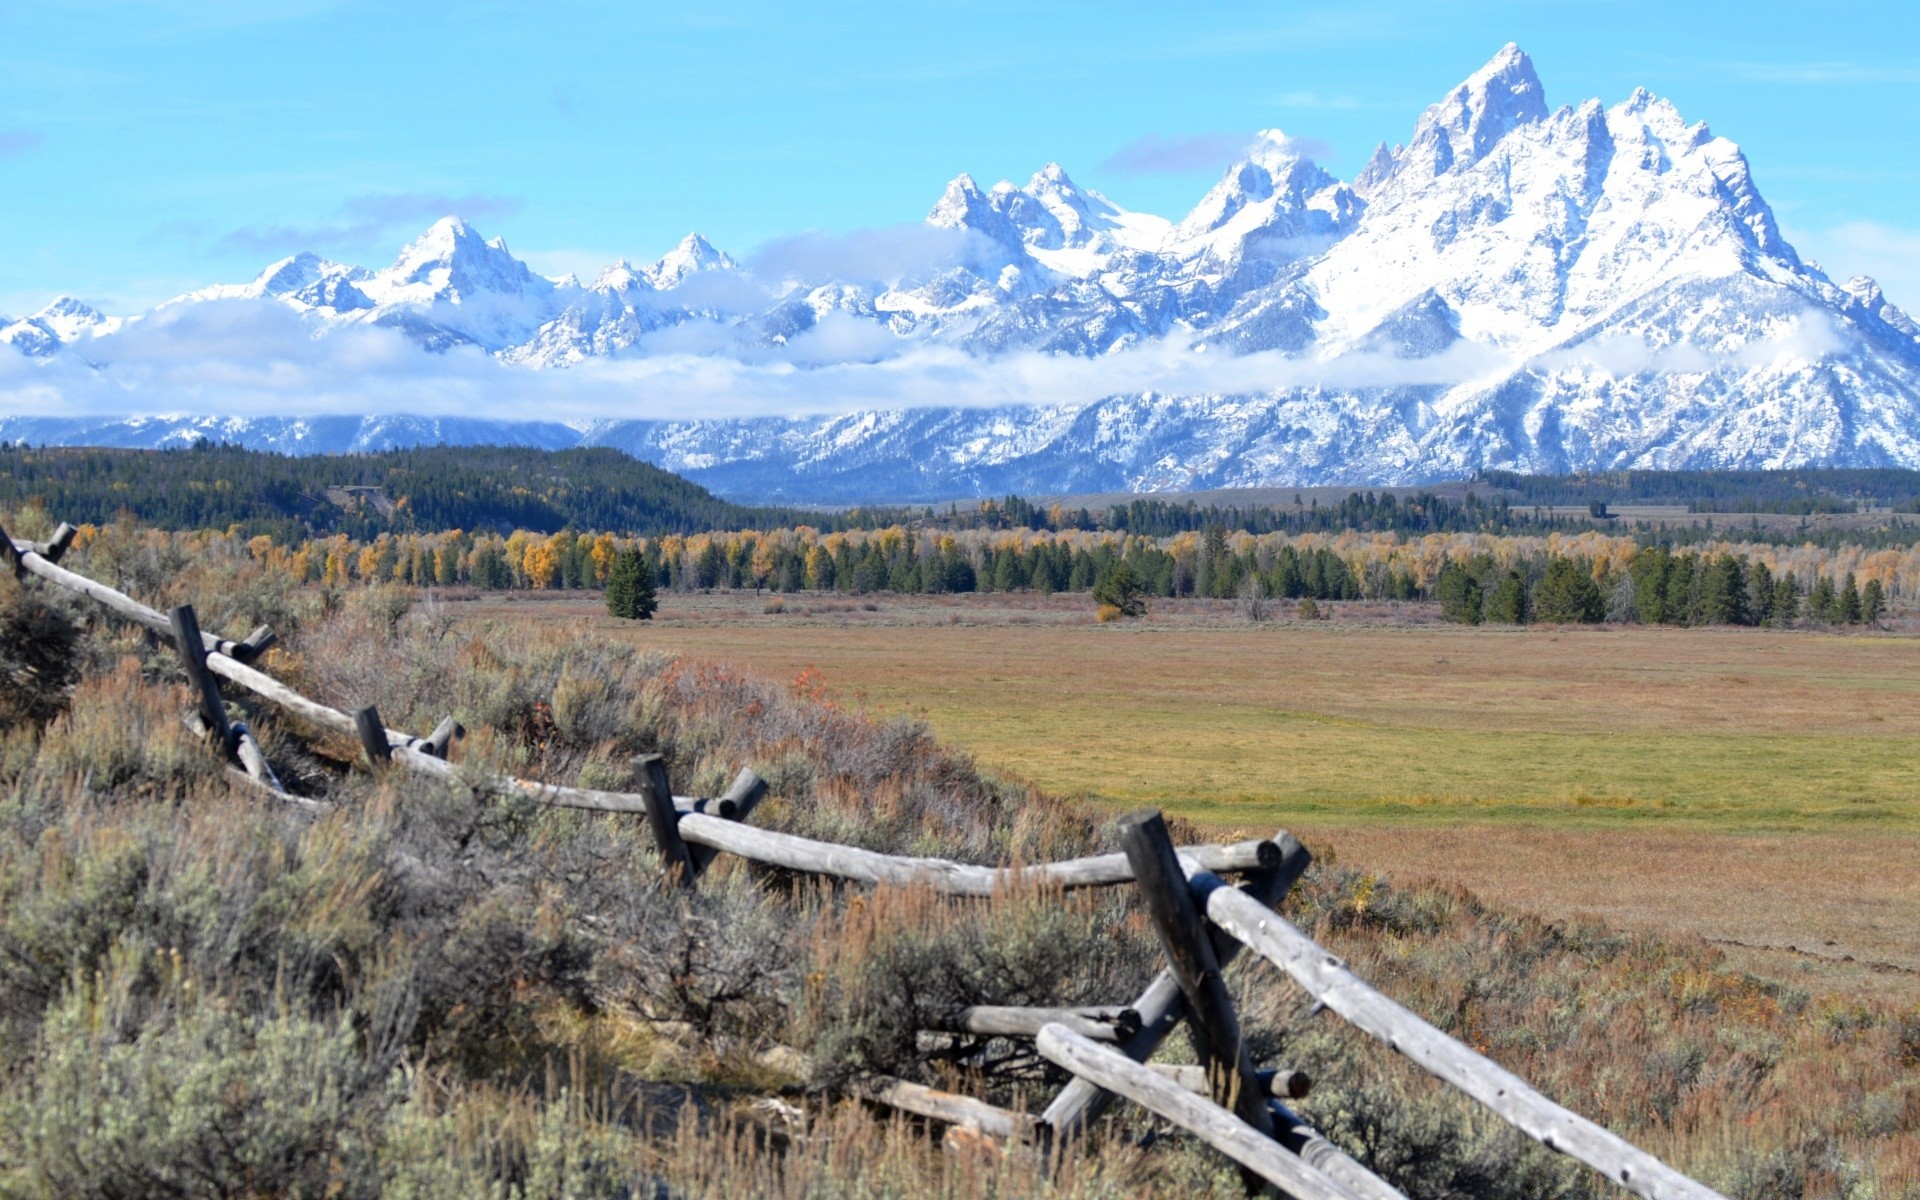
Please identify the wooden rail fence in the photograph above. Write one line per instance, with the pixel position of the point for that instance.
(1202, 922)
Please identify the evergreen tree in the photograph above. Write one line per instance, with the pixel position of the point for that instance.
(1121, 590)
(1460, 595)
(1508, 604)
(1723, 592)
(630, 588)
(1760, 589)
(1849, 602)
(1873, 601)
(1567, 594)
(1820, 602)
(1786, 600)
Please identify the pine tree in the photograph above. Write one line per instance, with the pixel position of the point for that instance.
(1849, 604)
(1508, 604)
(1786, 600)
(1568, 594)
(1121, 590)
(630, 590)
(1873, 601)
(1723, 592)
(1760, 588)
(1459, 594)
(1820, 603)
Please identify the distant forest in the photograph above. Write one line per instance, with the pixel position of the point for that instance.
(498, 489)
(435, 488)
(1793, 492)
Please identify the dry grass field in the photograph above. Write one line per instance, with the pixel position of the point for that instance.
(1757, 788)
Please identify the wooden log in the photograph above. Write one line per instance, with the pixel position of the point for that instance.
(441, 740)
(373, 737)
(1183, 936)
(957, 879)
(1306, 1141)
(1252, 1148)
(1162, 1007)
(36, 564)
(1281, 1083)
(250, 648)
(270, 785)
(206, 692)
(999, 1020)
(253, 759)
(665, 822)
(58, 544)
(743, 796)
(1324, 977)
(942, 1106)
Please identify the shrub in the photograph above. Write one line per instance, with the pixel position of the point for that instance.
(177, 1094)
(39, 654)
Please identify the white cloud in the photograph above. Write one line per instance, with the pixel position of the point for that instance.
(1177, 154)
(241, 357)
(1888, 253)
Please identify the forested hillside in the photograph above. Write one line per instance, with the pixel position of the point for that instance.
(362, 495)
(1803, 492)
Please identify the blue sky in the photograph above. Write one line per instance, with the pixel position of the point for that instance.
(146, 148)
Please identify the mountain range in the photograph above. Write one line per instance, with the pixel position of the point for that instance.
(1520, 287)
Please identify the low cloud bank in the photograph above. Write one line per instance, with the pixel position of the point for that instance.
(243, 358)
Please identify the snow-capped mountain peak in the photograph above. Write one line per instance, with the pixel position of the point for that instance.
(452, 263)
(1459, 131)
(1275, 203)
(691, 256)
(62, 321)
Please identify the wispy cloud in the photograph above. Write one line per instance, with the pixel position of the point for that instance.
(363, 220)
(1830, 72)
(18, 141)
(244, 357)
(1317, 100)
(1177, 154)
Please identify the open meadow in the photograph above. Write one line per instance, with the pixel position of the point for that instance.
(1753, 787)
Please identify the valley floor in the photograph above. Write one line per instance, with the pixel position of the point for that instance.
(1753, 787)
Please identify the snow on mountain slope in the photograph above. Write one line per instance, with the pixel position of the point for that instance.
(1517, 286)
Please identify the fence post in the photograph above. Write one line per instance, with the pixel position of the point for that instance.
(57, 544)
(441, 740)
(11, 553)
(1162, 1005)
(1183, 934)
(373, 738)
(193, 655)
(665, 822)
(745, 794)
(254, 645)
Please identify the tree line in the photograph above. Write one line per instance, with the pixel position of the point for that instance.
(1794, 491)
(294, 497)
(1656, 587)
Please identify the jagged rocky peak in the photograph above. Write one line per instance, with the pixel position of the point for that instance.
(1460, 130)
(1275, 202)
(452, 261)
(691, 256)
(964, 206)
(1378, 170)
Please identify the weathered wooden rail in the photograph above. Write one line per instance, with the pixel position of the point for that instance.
(1202, 922)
